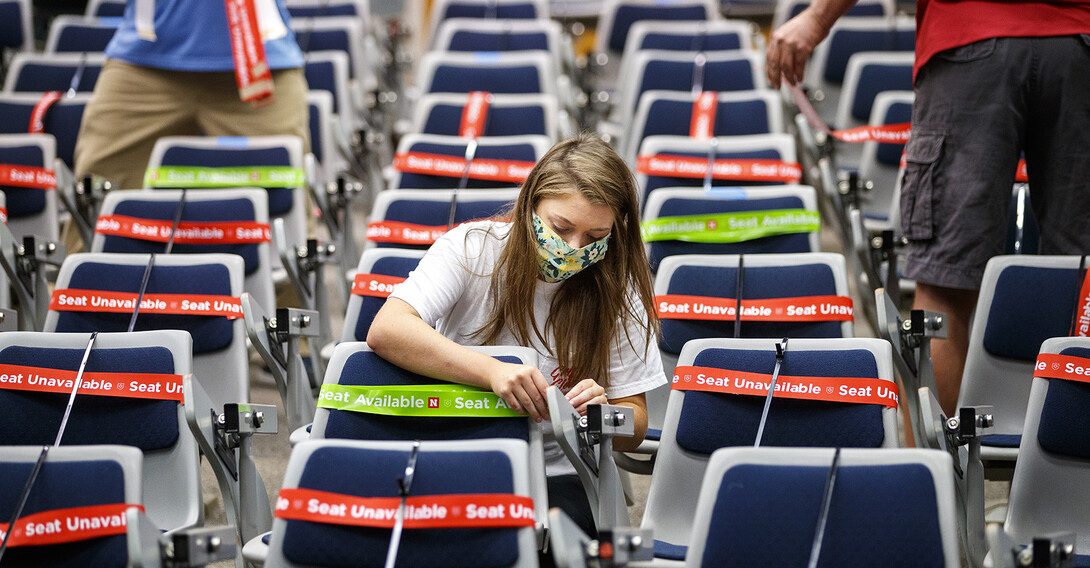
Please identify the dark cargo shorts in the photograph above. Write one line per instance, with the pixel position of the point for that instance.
(977, 107)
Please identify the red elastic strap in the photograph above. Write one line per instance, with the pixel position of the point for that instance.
(252, 73)
(886, 133)
(512, 171)
(1082, 321)
(76, 300)
(15, 175)
(725, 169)
(1066, 367)
(69, 525)
(187, 232)
(474, 114)
(375, 285)
(803, 308)
(487, 510)
(152, 386)
(702, 125)
(855, 390)
(37, 116)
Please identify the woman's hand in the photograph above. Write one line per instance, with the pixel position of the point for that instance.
(586, 392)
(522, 387)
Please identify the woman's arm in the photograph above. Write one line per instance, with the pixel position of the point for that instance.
(588, 391)
(400, 336)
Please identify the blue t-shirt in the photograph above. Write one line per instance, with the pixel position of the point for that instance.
(192, 35)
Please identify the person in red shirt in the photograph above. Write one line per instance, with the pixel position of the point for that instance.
(992, 80)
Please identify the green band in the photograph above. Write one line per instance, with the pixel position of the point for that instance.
(257, 176)
(417, 400)
(730, 227)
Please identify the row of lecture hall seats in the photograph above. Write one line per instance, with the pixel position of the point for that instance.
(679, 89)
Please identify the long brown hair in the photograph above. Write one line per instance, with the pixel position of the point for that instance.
(592, 308)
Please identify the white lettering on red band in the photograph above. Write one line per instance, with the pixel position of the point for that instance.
(155, 386)
(429, 511)
(512, 171)
(187, 232)
(76, 300)
(1066, 367)
(474, 114)
(702, 126)
(37, 116)
(69, 525)
(804, 308)
(725, 169)
(15, 175)
(375, 285)
(251, 69)
(859, 390)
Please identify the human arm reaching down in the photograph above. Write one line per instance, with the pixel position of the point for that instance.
(792, 43)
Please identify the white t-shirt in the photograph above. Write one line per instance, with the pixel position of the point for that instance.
(450, 291)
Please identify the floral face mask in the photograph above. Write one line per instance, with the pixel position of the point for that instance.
(557, 259)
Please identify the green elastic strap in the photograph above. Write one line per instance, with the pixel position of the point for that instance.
(730, 227)
(416, 400)
(256, 176)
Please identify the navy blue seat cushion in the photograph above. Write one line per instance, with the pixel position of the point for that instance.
(81, 38)
(467, 40)
(669, 551)
(710, 421)
(366, 368)
(790, 243)
(876, 78)
(497, 11)
(767, 516)
(210, 333)
(327, 10)
(502, 121)
(310, 39)
(369, 305)
(374, 473)
(653, 434)
(735, 118)
(36, 77)
(322, 76)
(517, 152)
(436, 213)
(1065, 424)
(63, 485)
(846, 43)
(280, 198)
(11, 25)
(890, 154)
(1030, 305)
(656, 181)
(220, 210)
(668, 75)
(625, 16)
(33, 418)
(875, 9)
(759, 282)
(1002, 440)
(692, 41)
(23, 201)
(315, 127)
(510, 78)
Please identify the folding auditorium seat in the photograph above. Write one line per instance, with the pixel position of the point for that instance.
(506, 72)
(868, 75)
(272, 162)
(347, 34)
(16, 33)
(674, 113)
(442, 10)
(353, 472)
(329, 8)
(62, 120)
(617, 17)
(1047, 491)
(504, 115)
(79, 34)
(1024, 300)
(881, 163)
(427, 161)
(657, 70)
(681, 204)
(155, 427)
(40, 72)
(205, 280)
(681, 161)
(31, 208)
(476, 35)
(761, 507)
(353, 364)
(829, 62)
(105, 8)
(106, 477)
(699, 422)
(326, 134)
(228, 221)
(329, 71)
(787, 9)
(378, 271)
(413, 219)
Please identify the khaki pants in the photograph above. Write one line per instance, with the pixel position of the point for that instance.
(133, 106)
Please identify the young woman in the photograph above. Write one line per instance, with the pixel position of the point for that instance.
(567, 276)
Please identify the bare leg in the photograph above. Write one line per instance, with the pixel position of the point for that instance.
(948, 354)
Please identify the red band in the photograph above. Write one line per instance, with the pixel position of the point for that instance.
(37, 116)
(804, 308)
(3, 215)
(251, 69)
(188, 232)
(474, 114)
(513, 171)
(69, 525)
(702, 126)
(375, 285)
(14, 175)
(75, 300)
(738, 170)
(886, 133)
(492, 510)
(1066, 367)
(404, 233)
(1082, 322)
(1021, 175)
(857, 390)
(154, 386)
